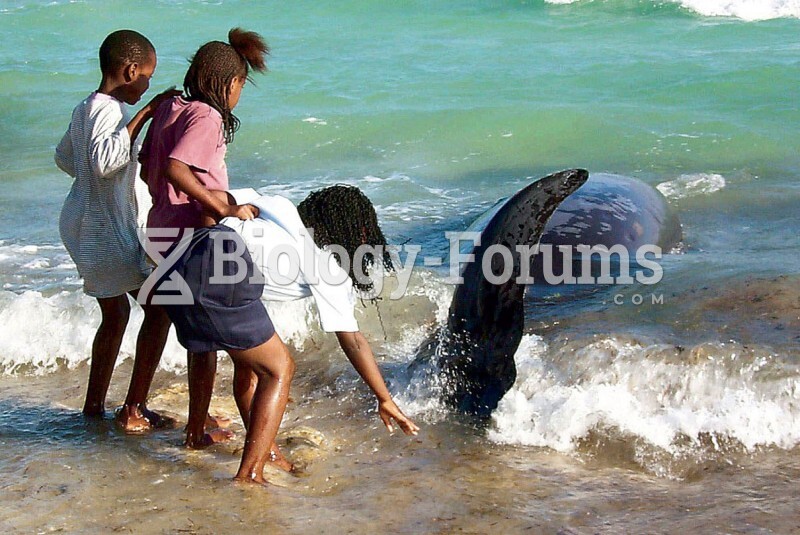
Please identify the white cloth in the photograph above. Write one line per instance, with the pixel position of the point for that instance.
(99, 218)
(292, 265)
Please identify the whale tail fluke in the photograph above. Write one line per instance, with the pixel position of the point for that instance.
(485, 322)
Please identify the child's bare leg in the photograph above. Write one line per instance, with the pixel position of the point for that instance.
(244, 387)
(134, 415)
(202, 372)
(105, 348)
(274, 368)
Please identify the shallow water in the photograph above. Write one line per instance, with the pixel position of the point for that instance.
(450, 478)
(637, 409)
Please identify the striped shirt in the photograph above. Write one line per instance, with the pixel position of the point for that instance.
(99, 219)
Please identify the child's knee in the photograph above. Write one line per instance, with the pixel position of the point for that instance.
(290, 367)
(115, 314)
(283, 366)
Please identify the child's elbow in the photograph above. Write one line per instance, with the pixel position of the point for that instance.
(63, 164)
(103, 166)
(173, 170)
(100, 169)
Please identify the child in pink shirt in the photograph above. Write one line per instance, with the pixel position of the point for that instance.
(190, 132)
(186, 136)
(182, 162)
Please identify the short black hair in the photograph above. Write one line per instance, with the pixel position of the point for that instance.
(122, 47)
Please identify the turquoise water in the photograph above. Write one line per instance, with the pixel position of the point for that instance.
(450, 105)
(464, 96)
(436, 110)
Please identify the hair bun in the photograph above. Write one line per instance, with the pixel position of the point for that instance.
(250, 46)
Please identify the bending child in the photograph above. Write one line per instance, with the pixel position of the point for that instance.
(339, 215)
(98, 223)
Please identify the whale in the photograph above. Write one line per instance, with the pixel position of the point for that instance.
(608, 211)
(614, 209)
(474, 351)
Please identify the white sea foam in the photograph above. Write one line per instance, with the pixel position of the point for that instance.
(294, 321)
(39, 334)
(31, 257)
(692, 185)
(718, 390)
(748, 10)
(397, 177)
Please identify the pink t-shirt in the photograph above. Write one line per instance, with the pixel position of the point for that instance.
(191, 132)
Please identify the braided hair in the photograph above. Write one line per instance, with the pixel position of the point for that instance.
(122, 47)
(214, 66)
(343, 215)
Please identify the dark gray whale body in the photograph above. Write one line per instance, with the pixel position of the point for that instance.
(475, 351)
(610, 210)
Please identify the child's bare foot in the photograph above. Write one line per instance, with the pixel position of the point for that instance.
(221, 422)
(252, 479)
(277, 460)
(139, 419)
(131, 419)
(215, 436)
(157, 420)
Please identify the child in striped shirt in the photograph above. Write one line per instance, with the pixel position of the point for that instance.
(98, 223)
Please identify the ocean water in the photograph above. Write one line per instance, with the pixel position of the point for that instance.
(636, 409)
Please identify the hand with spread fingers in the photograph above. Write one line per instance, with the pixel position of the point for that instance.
(388, 411)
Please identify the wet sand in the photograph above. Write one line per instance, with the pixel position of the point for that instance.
(63, 474)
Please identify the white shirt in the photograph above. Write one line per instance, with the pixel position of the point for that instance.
(98, 223)
(292, 265)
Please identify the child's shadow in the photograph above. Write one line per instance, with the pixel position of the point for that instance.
(27, 425)
(29, 422)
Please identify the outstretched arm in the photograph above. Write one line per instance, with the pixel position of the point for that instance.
(357, 349)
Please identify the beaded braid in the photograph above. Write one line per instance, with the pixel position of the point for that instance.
(343, 215)
(216, 64)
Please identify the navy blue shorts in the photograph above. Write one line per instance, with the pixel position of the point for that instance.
(227, 312)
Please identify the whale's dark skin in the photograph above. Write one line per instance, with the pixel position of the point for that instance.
(475, 351)
(614, 209)
(610, 210)
(484, 326)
